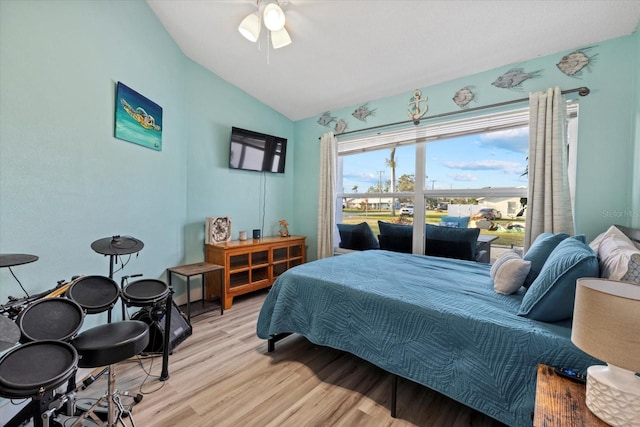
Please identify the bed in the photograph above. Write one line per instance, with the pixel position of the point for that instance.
(435, 321)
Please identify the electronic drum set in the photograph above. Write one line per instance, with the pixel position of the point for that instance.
(51, 350)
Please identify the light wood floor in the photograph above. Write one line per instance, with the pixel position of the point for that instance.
(222, 375)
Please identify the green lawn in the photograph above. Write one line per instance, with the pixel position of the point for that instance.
(506, 237)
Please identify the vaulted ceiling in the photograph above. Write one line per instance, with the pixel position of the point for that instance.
(352, 51)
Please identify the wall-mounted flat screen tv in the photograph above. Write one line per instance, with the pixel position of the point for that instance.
(256, 151)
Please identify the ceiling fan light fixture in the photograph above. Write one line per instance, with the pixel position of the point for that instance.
(274, 18)
(280, 38)
(250, 27)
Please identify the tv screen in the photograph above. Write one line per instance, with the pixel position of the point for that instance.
(256, 151)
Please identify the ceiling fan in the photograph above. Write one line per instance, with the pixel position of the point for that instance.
(273, 16)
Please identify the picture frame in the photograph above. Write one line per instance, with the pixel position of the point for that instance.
(137, 118)
(217, 229)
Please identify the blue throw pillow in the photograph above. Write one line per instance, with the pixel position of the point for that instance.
(396, 237)
(462, 221)
(357, 236)
(448, 242)
(538, 253)
(581, 237)
(551, 296)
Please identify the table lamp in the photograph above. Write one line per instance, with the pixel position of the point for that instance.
(606, 325)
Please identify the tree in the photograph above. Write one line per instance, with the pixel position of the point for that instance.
(373, 189)
(406, 182)
(391, 162)
(355, 188)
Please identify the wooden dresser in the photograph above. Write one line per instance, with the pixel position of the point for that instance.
(252, 264)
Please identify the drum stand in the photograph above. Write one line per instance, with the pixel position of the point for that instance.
(115, 408)
(168, 304)
(115, 246)
(36, 409)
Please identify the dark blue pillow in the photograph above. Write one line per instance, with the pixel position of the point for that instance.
(550, 298)
(449, 242)
(359, 237)
(396, 237)
(538, 253)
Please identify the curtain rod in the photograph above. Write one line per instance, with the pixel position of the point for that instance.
(582, 91)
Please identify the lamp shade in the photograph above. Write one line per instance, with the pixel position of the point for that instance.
(250, 27)
(274, 18)
(606, 321)
(280, 38)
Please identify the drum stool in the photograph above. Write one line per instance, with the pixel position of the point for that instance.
(106, 345)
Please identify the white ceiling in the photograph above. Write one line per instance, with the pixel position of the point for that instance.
(349, 52)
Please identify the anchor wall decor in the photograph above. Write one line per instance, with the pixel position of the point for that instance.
(415, 111)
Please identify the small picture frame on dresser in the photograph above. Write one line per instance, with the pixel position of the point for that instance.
(217, 229)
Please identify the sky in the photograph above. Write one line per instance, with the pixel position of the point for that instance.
(495, 159)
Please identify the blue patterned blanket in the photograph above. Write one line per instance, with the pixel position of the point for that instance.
(435, 321)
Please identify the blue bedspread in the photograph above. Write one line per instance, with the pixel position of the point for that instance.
(435, 321)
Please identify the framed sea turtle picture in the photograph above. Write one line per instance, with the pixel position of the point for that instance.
(137, 118)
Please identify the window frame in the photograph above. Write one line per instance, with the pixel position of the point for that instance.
(419, 136)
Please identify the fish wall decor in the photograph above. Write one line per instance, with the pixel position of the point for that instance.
(340, 127)
(514, 78)
(464, 96)
(362, 112)
(573, 63)
(326, 118)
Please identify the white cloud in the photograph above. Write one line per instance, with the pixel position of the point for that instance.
(465, 177)
(506, 134)
(515, 140)
(487, 165)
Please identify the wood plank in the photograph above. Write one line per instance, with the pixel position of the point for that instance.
(561, 402)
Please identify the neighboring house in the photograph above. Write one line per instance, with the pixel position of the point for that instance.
(373, 203)
(509, 207)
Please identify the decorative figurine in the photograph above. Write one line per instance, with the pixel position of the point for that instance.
(414, 111)
(340, 126)
(284, 228)
(514, 78)
(573, 63)
(362, 112)
(326, 118)
(464, 96)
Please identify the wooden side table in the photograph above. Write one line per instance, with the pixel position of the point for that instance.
(561, 402)
(199, 268)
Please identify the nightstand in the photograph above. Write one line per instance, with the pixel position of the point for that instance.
(560, 402)
(199, 268)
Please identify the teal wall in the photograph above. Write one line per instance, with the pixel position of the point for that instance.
(607, 132)
(65, 181)
(212, 188)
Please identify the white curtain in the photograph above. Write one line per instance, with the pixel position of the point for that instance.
(327, 194)
(549, 201)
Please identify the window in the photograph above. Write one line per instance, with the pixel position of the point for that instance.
(474, 167)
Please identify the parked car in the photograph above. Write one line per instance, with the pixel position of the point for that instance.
(488, 213)
(407, 210)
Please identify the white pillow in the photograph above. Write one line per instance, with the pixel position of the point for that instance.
(616, 253)
(612, 231)
(508, 272)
